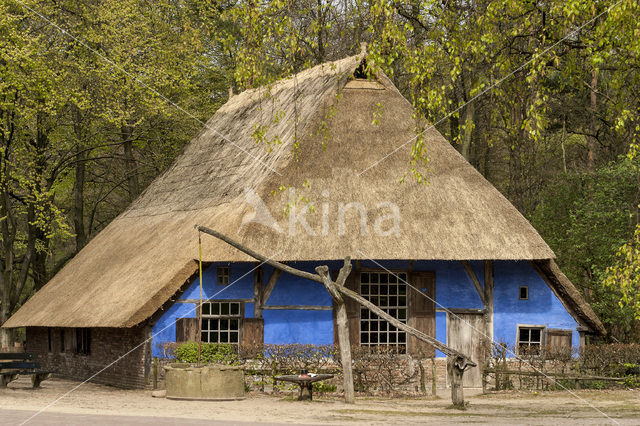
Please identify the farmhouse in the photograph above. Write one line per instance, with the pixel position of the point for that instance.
(307, 171)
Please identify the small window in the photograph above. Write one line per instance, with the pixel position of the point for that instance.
(524, 292)
(83, 341)
(530, 340)
(221, 322)
(223, 275)
(62, 346)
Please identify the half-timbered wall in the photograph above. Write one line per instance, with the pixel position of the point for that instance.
(300, 311)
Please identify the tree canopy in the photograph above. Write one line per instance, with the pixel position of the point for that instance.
(97, 98)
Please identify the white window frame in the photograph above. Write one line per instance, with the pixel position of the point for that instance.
(543, 337)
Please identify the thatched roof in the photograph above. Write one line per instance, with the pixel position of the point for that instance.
(130, 268)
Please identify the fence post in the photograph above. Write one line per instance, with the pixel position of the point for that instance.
(155, 372)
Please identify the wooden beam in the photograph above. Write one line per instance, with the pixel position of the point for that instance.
(257, 292)
(298, 307)
(271, 284)
(474, 279)
(258, 256)
(462, 310)
(488, 296)
(226, 300)
(342, 323)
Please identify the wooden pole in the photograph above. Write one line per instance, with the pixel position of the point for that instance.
(455, 378)
(199, 310)
(257, 292)
(342, 323)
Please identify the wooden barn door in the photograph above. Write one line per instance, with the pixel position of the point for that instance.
(465, 333)
(422, 312)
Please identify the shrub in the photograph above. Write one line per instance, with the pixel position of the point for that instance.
(381, 368)
(211, 353)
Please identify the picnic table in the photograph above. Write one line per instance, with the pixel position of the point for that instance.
(305, 381)
(14, 364)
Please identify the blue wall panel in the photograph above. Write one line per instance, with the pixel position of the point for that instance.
(297, 326)
(164, 330)
(292, 290)
(441, 331)
(240, 283)
(543, 307)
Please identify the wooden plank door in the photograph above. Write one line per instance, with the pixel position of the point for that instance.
(422, 312)
(466, 333)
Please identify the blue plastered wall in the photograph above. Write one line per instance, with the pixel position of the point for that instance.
(542, 308)
(454, 289)
(280, 326)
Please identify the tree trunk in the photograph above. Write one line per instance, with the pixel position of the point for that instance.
(78, 205)
(5, 290)
(130, 162)
(593, 106)
(468, 128)
(342, 322)
(320, 39)
(345, 352)
(455, 379)
(78, 185)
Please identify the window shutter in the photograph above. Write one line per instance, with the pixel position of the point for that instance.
(252, 331)
(186, 329)
(353, 310)
(558, 340)
(422, 312)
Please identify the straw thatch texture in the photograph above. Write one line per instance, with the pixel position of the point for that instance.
(120, 278)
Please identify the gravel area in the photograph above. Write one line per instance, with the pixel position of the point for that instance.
(91, 401)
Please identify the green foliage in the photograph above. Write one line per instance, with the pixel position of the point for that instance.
(624, 275)
(86, 123)
(586, 219)
(322, 387)
(211, 353)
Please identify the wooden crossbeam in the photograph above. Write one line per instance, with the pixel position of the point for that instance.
(476, 282)
(271, 284)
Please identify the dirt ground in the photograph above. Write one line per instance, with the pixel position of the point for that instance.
(557, 408)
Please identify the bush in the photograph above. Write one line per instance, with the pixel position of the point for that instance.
(211, 353)
(381, 368)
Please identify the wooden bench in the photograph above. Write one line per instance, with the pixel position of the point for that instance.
(14, 364)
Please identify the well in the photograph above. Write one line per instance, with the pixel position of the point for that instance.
(206, 382)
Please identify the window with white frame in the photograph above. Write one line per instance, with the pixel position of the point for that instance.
(221, 322)
(530, 340)
(389, 292)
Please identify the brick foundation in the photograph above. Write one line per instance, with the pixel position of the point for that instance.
(107, 345)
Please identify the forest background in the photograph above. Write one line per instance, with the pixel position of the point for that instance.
(542, 97)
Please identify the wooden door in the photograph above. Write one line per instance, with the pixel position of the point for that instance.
(422, 312)
(466, 333)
